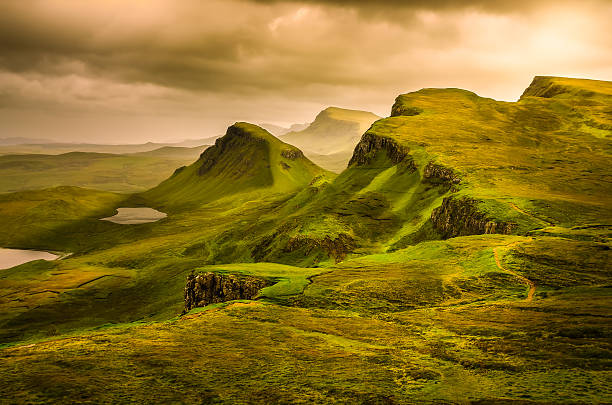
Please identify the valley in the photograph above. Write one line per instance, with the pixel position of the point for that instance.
(459, 253)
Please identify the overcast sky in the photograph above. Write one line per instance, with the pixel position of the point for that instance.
(162, 70)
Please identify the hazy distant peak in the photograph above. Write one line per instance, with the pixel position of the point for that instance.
(344, 114)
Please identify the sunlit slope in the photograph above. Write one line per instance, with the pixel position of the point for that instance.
(547, 153)
(246, 159)
(335, 131)
(463, 256)
(450, 163)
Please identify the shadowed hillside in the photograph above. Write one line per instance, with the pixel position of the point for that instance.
(462, 257)
(450, 163)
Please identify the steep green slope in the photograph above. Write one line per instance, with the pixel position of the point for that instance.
(246, 159)
(335, 131)
(463, 257)
(118, 173)
(450, 163)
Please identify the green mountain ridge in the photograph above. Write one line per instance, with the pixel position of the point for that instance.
(246, 159)
(463, 256)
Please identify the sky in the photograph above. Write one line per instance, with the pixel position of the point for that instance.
(117, 71)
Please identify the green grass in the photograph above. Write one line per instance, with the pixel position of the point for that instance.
(103, 171)
(369, 305)
(250, 159)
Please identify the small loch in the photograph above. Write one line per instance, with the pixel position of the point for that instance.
(133, 216)
(14, 257)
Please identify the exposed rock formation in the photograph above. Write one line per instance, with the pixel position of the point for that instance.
(439, 174)
(400, 109)
(292, 154)
(366, 149)
(460, 217)
(209, 288)
(336, 248)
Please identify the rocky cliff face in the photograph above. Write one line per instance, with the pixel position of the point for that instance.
(438, 174)
(460, 217)
(366, 149)
(209, 288)
(336, 248)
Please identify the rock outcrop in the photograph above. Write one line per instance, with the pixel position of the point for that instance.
(209, 288)
(438, 174)
(402, 110)
(443, 177)
(366, 149)
(336, 248)
(292, 154)
(461, 217)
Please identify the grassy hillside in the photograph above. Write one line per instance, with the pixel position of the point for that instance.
(437, 322)
(450, 163)
(335, 131)
(118, 173)
(246, 159)
(462, 257)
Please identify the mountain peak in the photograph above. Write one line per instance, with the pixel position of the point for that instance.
(344, 114)
(246, 158)
(335, 131)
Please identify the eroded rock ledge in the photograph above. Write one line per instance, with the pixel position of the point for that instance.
(210, 288)
(435, 173)
(461, 217)
(366, 149)
(336, 248)
(292, 154)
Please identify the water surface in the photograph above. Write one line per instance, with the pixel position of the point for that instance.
(131, 216)
(14, 257)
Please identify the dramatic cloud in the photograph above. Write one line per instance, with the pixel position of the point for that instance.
(111, 70)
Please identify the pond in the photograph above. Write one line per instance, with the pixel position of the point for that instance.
(14, 257)
(132, 216)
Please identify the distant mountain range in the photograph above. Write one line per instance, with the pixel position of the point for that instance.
(22, 141)
(277, 130)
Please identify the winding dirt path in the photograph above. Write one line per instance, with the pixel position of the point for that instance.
(519, 209)
(523, 279)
